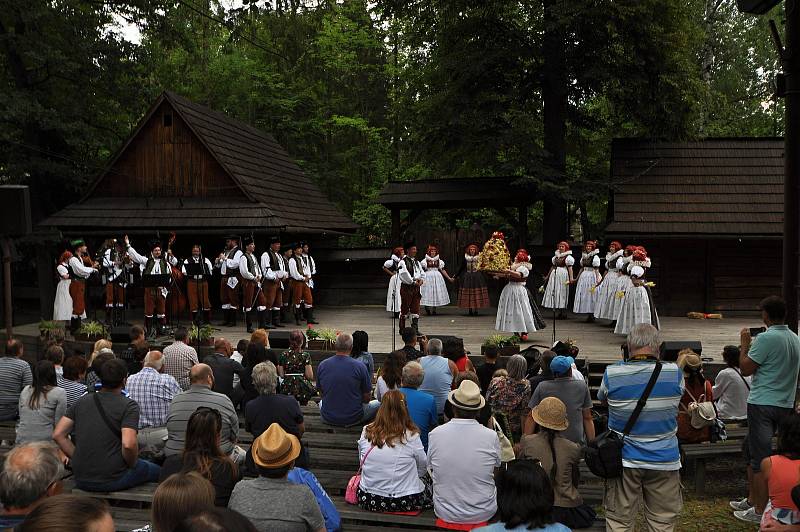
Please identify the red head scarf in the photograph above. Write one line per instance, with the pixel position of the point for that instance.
(522, 255)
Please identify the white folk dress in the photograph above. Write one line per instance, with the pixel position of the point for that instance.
(636, 305)
(556, 293)
(514, 312)
(585, 292)
(62, 306)
(393, 290)
(608, 304)
(434, 290)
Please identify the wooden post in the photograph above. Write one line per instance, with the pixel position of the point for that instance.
(395, 226)
(708, 280)
(523, 226)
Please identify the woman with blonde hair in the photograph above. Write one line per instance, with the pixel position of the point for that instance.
(393, 461)
(179, 496)
(99, 346)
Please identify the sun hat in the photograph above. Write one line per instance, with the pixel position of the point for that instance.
(689, 360)
(561, 364)
(467, 396)
(275, 448)
(551, 413)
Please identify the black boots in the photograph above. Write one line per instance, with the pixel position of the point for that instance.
(297, 313)
(310, 316)
(74, 325)
(415, 325)
(249, 321)
(276, 318)
(265, 319)
(149, 328)
(402, 324)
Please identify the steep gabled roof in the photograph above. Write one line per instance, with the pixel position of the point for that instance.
(715, 187)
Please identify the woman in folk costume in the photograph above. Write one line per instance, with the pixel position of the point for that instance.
(637, 305)
(606, 307)
(472, 294)
(624, 281)
(434, 291)
(588, 279)
(393, 291)
(62, 306)
(556, 293)
(514, 312)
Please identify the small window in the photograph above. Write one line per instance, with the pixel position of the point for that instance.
(167, 119)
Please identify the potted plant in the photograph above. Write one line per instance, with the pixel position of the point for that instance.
(91, 331)
(201, 336)
(505, 345)
(47, 327)
(321, 339)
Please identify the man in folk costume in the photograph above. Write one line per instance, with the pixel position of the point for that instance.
(228, 264)
(155, 297)
(308, 260)
(197, 285)
(412, 276)
(253, 295)
(300, 272)
(275, 271)
(287, 285)
(115, 265)
(80, 267)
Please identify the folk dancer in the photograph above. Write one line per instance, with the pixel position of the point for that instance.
(274, 269)
(556, 293)
(472, 292)
(228, 264)
(80, 268)
(312, 266)
(252, 291)
(300, 272)
(155, 297)
(393, 297)
(607, 306)
(514, 312)
(412, 277)
(637, 305)
(287, 285)
(434, 291)
(116, 267)
(623, 283)
(588, 279)
(197, 285)
(62, 305)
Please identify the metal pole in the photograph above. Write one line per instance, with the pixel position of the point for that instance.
(791, 192)
(9, 320)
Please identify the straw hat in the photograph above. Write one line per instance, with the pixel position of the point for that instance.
(275, 448)
(467, 396)
(551, 413)
(689, 360)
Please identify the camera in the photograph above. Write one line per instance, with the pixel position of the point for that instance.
(755, 331)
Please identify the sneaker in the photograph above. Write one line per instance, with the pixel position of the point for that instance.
(743, 504)
(749, 515)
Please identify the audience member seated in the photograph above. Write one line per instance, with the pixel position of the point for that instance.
(541, 370)
(360, 351)
(696, 389)
(524, 500)
(238, 356)
(216, 520)
(261, 337)
(132, 352)
(99, 345)
(270, 501)
(574, 393)
(487, 369)
(409, 336)
(393, 461)
(203, 454)
(71, 381)
(453, 348)
(224, 369)
(256, 354)
(177, 497)
(55, 354)
(270, 407)
(485, 416)
(41, 405)
(93, 375)
(560, 458)
(31, 473)
(780, 473)
(730, 388)
(439, 374)
(105, 455)
(421, 406)
(294, 367)
(345, 386)
(153, 391)
(69, 513)
(179, 358)
(510, 395)
(15, 374)
(199, 394)
(464, 495)
(391, 374)
(651, 461)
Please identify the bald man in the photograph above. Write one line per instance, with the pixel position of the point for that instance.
(225, 368)
(31, 472)
(200, 394)
(153, 390)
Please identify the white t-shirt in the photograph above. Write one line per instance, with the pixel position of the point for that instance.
(237, 356)
(730, 394)
(381, 388)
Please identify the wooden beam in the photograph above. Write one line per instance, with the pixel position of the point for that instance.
(708, 299)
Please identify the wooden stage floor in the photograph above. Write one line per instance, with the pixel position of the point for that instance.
(596, 340)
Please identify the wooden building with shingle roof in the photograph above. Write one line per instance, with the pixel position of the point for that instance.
(710, 214)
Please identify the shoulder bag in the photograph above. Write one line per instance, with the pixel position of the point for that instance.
(116, 430)
(604, 453)
(701, 412)
(351, 493)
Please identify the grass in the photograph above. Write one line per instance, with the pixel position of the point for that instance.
(710, 515)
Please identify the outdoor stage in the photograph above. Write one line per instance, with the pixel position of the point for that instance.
(596, 341)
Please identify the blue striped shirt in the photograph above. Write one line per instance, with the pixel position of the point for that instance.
(652, 443)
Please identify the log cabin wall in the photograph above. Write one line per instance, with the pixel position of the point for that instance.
(165, 159)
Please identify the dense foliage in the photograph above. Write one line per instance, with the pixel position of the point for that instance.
(361, 92)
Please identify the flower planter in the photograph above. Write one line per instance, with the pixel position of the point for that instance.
(506, 351)
(320, 345)
(81, 337)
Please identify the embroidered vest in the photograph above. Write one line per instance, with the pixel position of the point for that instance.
(560, 262)
(411, 264)
(274, 263)
(251, 265)
(586, 261)
(230, 255)
(151, 263)
(300, 265)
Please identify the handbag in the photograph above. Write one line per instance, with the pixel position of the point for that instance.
(506, 449)
(351, 493)
(604, 453)
(701, 412)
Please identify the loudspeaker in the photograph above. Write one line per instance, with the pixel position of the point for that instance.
(15, 216)
(443, 337)
(279, 339)
(671, 348)
(120, 335)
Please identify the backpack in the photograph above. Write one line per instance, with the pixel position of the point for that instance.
(701, 412)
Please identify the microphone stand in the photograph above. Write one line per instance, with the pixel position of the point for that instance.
(393, 282)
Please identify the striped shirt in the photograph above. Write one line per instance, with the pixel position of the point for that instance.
(75, 390)
(652, 443)
(184, 405)
(15, 374)
(153, 392)
(178, 361)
